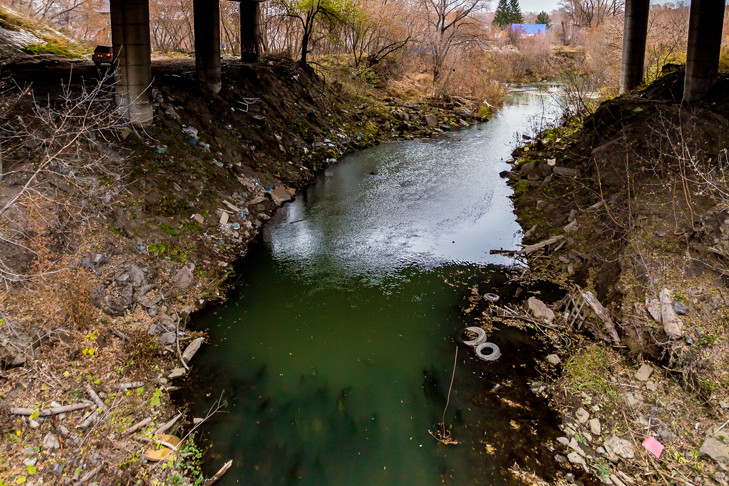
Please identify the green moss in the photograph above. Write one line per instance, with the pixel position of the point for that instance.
(49, 48)
(589, 369)
(167, 229)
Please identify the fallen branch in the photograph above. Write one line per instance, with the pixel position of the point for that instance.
(53, 410)
(97, 400)
(89, 475)
(167, 426)
(540, 245)
(218, 474)
(133, 384)
(137, 426)
(602, 314)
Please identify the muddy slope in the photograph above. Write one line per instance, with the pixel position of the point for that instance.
(112, 235)
(630, 205)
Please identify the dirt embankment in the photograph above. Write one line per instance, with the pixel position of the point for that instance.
(111, 235)
(627, 211)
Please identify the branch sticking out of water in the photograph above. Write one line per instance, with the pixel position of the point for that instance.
(443, 436)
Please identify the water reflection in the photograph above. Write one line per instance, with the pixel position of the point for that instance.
(336, 354)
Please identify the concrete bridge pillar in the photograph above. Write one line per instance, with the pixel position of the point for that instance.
(207, 43)
(634, 38)
(132, 51)
(704, 47)
(250, 31)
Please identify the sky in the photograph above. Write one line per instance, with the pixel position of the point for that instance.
(538, 5)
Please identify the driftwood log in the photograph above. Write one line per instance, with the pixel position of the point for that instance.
(602, 315)
(53, 410)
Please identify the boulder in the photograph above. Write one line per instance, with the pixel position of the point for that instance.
(431, 120)
(716, 450)
(51, 442)
(595, 426)
(619, 447)
(644, 372)
(183, 278)
(539, 309)
(564, 171)
(581, 415)
(192, 348)
(672, 324)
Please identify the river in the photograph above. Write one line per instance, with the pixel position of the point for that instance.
(335, 352)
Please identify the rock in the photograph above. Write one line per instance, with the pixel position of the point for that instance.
(167, 338)
(115, 299)
(224, 217)
(463, 112)
(616, 480)
(581, 415)
(51, 442)
(716, 450)
(199, 218)
(619, 447)
(34, 424)
(595, 426)
(177, 373)
(560, 459)
(279, 195)
(573, 214)
(679, 308)
(192, 348)
(632, 400)
(445, 127)
(564, 171)
(136, 276)
(526, 169)
(553, 359)
(183, 278)
(572, 226)
(644, 372)
(411, 106)
(575, 458)
(672, 325)
(724, 405)
(563, 440)
(654, 309)
(575, 446)
(31, 461)
(431, 120)
(539, 309)
(666, 435)
(651, 385)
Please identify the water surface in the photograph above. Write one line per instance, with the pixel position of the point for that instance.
(335, 353)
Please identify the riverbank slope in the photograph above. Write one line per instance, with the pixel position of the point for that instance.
(111, 235)
(626, 211)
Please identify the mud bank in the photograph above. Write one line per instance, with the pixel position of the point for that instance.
(624, 210)
(113, 235)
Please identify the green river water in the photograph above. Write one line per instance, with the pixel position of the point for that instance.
(335, 351)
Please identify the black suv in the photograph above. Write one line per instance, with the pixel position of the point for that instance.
(103, 54)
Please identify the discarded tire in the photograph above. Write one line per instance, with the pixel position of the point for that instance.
(488, 351)
(480, 336)
(489, 297)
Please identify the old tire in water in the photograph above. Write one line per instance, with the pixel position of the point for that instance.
(480, 336)
(488, 351)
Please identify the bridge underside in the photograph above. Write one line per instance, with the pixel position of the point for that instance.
(132, 49)
(702, 53)
(131, 39)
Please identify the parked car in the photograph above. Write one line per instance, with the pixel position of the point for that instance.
(103, 54)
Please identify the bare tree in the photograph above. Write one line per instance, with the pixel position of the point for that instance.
(448, 22)
(591, 13)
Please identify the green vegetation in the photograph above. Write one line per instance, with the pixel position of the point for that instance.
(49, 48)
(589, 369)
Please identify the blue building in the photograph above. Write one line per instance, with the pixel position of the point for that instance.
(529, 29)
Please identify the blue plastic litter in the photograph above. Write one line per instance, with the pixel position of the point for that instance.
(161, 149)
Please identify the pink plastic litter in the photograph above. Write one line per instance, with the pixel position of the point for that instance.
(653, 446)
